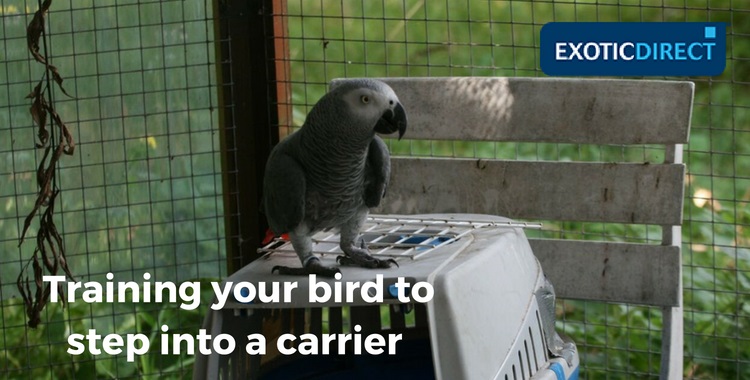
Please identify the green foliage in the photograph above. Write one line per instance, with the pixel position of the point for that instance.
(142, 192)
(41, 353)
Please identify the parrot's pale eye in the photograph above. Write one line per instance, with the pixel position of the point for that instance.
(365, 99)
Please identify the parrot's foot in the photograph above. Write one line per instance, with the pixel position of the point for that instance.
(313, 267)
(365, 261)
(360, 257)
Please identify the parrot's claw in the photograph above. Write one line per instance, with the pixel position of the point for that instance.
(365, 262)
(360, 257)
(313, 267)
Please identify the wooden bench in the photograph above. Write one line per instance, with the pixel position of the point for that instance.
(574, 111)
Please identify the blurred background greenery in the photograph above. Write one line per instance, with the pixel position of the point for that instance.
(143, 191)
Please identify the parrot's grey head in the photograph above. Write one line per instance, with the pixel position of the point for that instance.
(372, 104)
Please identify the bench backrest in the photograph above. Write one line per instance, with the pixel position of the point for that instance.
(550, 110)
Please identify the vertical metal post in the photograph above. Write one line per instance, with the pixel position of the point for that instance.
(249, 119)
(672, 346)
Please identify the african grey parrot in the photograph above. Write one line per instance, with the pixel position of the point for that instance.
(329, 173)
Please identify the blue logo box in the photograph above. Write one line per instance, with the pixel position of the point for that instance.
(633, 48)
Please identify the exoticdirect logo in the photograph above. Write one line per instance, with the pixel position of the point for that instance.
(633, 48)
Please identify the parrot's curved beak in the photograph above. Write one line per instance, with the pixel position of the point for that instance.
(392, 120)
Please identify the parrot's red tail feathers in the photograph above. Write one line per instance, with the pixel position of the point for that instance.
(270, 236)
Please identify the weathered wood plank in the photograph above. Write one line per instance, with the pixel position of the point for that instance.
(421, 319)
(298, 318)
(368, 317)
(397, 318)
(316, 320)
(335, 320)
(569, 191)
(616, 272)
(592, 111)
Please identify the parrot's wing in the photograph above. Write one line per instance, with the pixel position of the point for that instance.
(378, 171)
(283, 193)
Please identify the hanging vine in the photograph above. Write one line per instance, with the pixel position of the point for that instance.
(55, 138)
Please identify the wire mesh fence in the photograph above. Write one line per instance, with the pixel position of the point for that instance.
(143, 193)
(329, 39)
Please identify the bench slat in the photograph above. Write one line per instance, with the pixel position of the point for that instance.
(554, 110)
(615, 272)
(565, 191)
